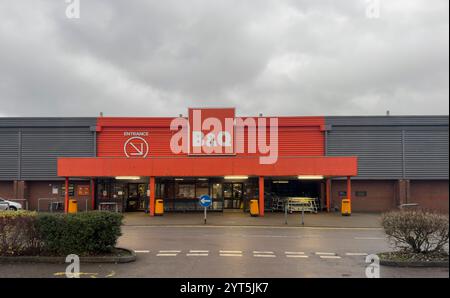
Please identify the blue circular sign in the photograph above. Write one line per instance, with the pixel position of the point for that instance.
(205, 201)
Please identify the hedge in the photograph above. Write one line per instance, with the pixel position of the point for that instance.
(417, 231)
(18, 233)
(29, 233)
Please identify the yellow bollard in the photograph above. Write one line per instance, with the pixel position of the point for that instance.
(254, 208)
(159, 207)
(346, 208)
(73, 206)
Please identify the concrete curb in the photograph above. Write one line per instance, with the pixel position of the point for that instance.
(251, 226)
(418, 264)
(131, 257)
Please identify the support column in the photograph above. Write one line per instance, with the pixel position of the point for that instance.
(93, 193)
(349, 189)
(261, 196)
(328, 193)
(152, 196)
(403, 192)
(66, 196)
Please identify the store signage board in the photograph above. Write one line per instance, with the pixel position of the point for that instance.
(211, 131)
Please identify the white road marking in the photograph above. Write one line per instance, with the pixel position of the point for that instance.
(297, 256)
(262, 252)
(166, 255)
(265, 256)
(355, 254)
(142, 251)
(231, 251)
(170, 251)
(199, 251)
(325, 253)
(370, 238)
(197, 255)
(330, 257)
(294, 252)
(230, 255)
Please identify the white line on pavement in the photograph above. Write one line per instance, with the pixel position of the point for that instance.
(231, 251)
(325, 253)
(262, 252)
(199, 251)
(355, 254)
(264, 256)
(370, 238)
(230, 255)
(297, 256)
(142, 251)
(166, 255)
(197, 255)
(330, 257)
(294, 252)
(170, 251)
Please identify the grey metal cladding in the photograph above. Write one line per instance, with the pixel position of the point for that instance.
(33, 156)
(378, 142)
(9, 154)
(387, 120)
(426, 154)
(379, 153)
(47, 122)
(42, 146)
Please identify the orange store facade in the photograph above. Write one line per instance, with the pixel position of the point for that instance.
(213, 152)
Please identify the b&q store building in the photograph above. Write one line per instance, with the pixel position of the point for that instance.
(378, 162)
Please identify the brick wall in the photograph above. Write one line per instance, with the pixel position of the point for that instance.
(7, 189)
(43, 189)
(430, 194)
(381, 195)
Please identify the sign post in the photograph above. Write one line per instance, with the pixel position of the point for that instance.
(205, 201)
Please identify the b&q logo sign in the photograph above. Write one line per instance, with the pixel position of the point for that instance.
(213, 132)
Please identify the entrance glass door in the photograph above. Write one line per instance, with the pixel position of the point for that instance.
(232, 195)
(136, 198)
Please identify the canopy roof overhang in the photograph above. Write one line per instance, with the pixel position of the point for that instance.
(206, 166)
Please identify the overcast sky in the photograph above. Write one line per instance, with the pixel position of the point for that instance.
(157, 58)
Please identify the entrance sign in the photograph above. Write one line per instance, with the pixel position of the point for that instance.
(136, 147)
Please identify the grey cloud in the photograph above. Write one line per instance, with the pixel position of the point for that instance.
(292, 57)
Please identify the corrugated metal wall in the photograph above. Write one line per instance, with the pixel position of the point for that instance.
(426, 154)
(392, 147)
(9, 154)
(298, 136)
(29, 147)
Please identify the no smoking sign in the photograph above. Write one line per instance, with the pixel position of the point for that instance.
(136, 147)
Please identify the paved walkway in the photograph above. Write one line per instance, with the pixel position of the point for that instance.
(332, 220)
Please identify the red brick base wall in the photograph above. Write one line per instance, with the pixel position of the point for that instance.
(432, 195)
(7, 189)
(43, 189)
(381, 195)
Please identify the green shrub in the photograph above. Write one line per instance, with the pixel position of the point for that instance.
(18, 233)
(417, 231)
(81, 233)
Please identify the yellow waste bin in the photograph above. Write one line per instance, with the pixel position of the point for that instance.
(254, 208)
(159, 207)
(346, 208)
(73, 206)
